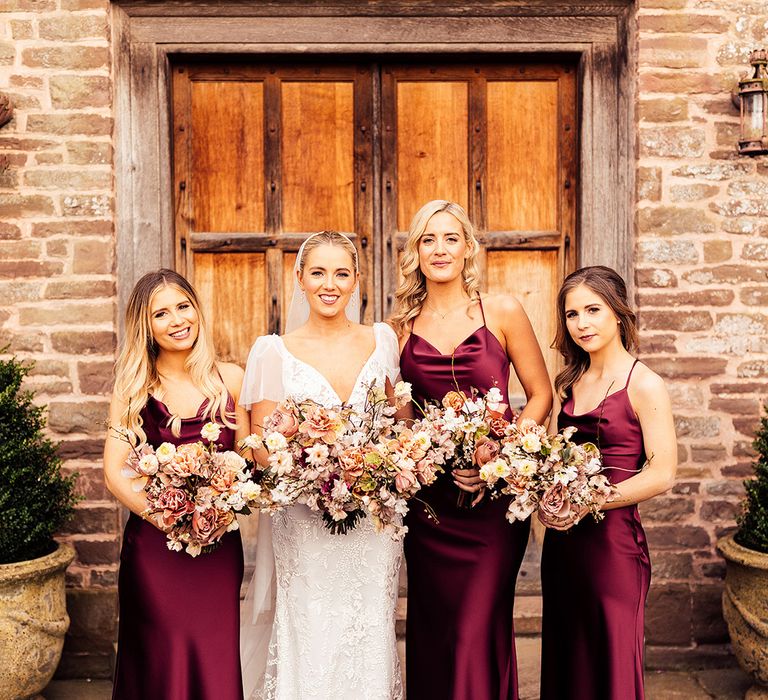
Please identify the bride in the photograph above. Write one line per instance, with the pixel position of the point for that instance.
(319, 618)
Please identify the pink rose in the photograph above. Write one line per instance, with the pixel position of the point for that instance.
(454, 400)
(485, 451)
(405, 481)
(352, 462)
(283, 420)
(426, 471)
(322, 424)
(174, 504)
(555, 503)
(210, 524)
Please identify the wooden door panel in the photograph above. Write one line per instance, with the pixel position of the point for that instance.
(533, 276)
(431, 145)
(227, 154)
(318, 156)
(522, 156)
(232, 289)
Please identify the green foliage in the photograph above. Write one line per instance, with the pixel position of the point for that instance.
(753, 522)
(35, 499)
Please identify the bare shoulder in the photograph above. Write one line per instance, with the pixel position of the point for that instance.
(232, 375)
(646, 385)
(502, 305)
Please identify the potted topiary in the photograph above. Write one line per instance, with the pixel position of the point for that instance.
(745, 598)
(35, 500)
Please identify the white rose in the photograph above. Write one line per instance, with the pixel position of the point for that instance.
(148, 464)
(211, 432)
(531, 442)
(233, 461)
(275, 441)
(250, 491)
(165, 452)
(252, 442)
(500, 468)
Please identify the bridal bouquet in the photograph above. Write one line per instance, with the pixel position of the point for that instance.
(467, 422)
(348, 464)
(547, 472)
(193, 490)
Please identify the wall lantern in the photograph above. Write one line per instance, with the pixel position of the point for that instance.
(753, 106)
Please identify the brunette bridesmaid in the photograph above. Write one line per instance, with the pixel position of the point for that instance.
(460, 641)
(179, 616)
(595, 576)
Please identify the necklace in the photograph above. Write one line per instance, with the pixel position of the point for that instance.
(450, 310)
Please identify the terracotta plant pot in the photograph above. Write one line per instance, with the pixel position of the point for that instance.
(745, 609)
(33, 622)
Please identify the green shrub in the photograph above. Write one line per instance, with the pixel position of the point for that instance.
(35, 499)
(753, 521)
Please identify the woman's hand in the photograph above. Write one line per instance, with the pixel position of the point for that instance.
(566, 523)
(469, 480)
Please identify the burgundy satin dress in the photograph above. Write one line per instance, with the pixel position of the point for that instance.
(460, 640)
(595, 576)
(179, 634)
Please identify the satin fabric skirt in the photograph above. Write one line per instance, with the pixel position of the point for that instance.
(595, 580)
(460, 640)
(179, 634)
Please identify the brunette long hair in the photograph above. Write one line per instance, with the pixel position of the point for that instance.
(136, 375)
(412, 291)
(611, 288)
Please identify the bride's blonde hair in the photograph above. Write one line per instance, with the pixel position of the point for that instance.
(412, 292)
(136, 375)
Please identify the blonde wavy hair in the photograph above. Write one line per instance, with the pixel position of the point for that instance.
(412, 292)
(136, 375)
(326, 238)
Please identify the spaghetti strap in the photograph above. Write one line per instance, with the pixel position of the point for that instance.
(629, 376)
(482, 311)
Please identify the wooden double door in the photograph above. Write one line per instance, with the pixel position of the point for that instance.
(267, 152)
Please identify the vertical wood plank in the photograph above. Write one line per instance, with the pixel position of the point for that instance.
(533, 276)
(233, 294)
(523, 155)
(227, 168)
(432, 149)
(317, 155)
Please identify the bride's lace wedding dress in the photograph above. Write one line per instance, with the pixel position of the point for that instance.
(323, 626)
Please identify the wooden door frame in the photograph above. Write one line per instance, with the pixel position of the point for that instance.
(147, 33)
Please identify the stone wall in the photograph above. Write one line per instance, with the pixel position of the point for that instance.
(57, 272)
(702, 280)
(702, 284)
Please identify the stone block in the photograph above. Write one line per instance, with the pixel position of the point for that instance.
(88, 205)
(680, 83)
(672, 142)
(657, 343)
(665, 252)
(78, 416)
(80, 91)
(754, 296)
(671, 566)
(684, 537)
(697, 426)
(91, 313)
(717, 251)
(668, 615)
(665, 509)
(746, 425)
(103, 578)
(730, 274)
(655, 277)
(13, 292)
(95, 377)
(683, 23)
(73, 27)
(663, 109)
(719, 511)
(84, 342)
(673, 221)
(80, 289)
(70, 228)
(708, 624)
(55, 178)
(672, 52)
(13, 269)
(649, 184)
(82, 449)
(9, 232)
(687, 367)
(89, 152)
(84, 124)
(66, 57)
(755, 251)
(693, 193)
(93, 626)
(738, 407)
(96, 552)
(93, 520)
(708, 453)
(707, 297)
(675, 320)
(714, 171)
(740, 207)
(20, 206)
(92, 257)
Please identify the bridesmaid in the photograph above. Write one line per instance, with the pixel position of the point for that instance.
(179, 616)
(595, 576)
(460, 641)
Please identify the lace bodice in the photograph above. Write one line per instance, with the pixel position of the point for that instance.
(333, 630)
